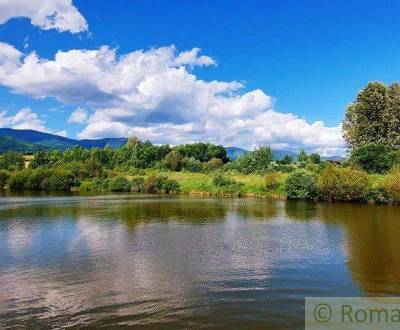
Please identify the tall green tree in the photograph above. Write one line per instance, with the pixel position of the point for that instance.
(374, 117)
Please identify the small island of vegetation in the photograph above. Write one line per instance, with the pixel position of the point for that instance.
(371, 173)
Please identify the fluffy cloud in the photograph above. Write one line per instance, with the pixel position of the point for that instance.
(61, 15)
(79, 116)
(23, 119)
(155, 94)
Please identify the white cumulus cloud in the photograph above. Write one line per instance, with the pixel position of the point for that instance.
(79, 116)
(61, 15)
(155, 94)
(23, 119)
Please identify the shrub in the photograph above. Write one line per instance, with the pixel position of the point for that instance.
(343, 184)
(59, 180)
(137, 184)
(220, 180)
(225, 184)
(35, 179)
(301, 184)
(78, 169)
(391, 184)
(380, 195)
(192, 165)
(154, 184)
(150, 184)
(170, 186)
(272, 181)
(245, 164)
(327, 183)
(119, 184)
(11, 161)
(214, 164)
(173, 161)
(18, 179)
(90, 185)
(4, 176)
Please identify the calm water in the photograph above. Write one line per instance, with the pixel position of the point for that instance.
(179, 262)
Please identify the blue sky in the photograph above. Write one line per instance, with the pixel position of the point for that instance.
(307, 58)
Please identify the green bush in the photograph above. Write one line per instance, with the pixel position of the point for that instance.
(221, 180)
(170, 186)
(35, 178)
(18, 179)
(12, 161)
(214, 164)
(78, 169)
(150, 184)
(301, 184)
(90, 185)
(192, 165)
(119, 184)
(59, 180)
(272, 181)
(173, 161)
(343, 184)
(391, 184)
(4, 176)
(137, 184)
(375, 158)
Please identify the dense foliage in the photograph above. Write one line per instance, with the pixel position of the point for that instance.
(374, 116)
(204, 168)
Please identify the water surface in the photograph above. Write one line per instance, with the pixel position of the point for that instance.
(162, 262)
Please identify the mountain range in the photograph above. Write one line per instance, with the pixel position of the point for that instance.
(29, 141)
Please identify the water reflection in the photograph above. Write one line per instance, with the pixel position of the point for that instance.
(176, 262)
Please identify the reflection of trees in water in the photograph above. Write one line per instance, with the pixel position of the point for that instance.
(301, 210)
(256, 209)
(131, 211)
(373, 243)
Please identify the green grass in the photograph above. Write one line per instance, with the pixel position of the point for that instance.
(201, 183)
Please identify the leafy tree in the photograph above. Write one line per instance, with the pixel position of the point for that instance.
(315, 158)
(4, 175)
(11, 161)
(262, 158)
(257, 160)
(40, 158)
(202, 151)
(192, 165)
(375, 158)
(245, 163)
(173, 161)
(287, 160)
(303, 156)
(374, 117)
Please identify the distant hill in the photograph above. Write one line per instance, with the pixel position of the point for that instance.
(30, 141)
(234, 153)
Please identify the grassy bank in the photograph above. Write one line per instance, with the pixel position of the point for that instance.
(201, 183)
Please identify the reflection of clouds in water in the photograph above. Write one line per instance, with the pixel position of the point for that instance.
(20, 237)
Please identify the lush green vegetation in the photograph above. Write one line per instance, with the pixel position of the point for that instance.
(196, 169)
(370, 174)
